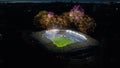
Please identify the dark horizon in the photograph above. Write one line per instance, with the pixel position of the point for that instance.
(48, 1)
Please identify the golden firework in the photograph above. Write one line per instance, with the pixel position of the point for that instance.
(77, 17)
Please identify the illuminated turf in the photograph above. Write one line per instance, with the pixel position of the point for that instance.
(61, 41)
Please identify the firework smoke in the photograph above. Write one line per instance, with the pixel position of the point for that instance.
(76, 16)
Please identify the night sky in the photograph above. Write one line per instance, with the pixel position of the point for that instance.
(63, 0)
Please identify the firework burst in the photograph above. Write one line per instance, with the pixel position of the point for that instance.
(76, 16)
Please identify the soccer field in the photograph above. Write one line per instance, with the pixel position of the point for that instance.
(61, 41)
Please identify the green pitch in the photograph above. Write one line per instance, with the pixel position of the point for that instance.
(61, 41)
